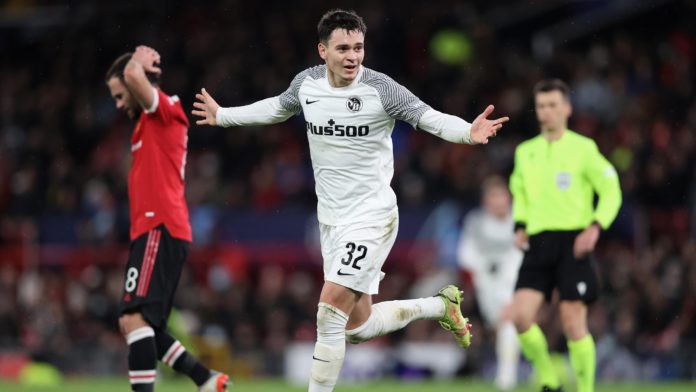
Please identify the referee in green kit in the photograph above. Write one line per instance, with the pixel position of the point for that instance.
(556, 176)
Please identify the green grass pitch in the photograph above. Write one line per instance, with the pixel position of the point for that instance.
(181, 385)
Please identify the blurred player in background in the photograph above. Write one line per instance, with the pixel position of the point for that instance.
(487, 250)
(160, 230)
(553, 184)
(350, 112)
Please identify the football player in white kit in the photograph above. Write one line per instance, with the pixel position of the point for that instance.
(487, 250)
(350, 112)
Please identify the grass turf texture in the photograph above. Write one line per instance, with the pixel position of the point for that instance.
(183, 385)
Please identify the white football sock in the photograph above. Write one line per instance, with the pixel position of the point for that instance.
(390, 316)
(330, 348)
(507, 349)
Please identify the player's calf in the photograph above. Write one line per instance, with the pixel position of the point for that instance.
(330, 348)
(525, 306)
(390, 316)
(173, 354)
(574, 319)
(142, 359)
(142, 353)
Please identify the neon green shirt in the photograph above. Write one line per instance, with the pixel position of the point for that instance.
(553, 184)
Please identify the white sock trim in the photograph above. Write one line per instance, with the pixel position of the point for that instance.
(143, 381)
(334, 309)
(142, 376)
(174, 352)
(141, 373)
(140, 334)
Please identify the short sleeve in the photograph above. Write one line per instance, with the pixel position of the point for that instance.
(163, 106)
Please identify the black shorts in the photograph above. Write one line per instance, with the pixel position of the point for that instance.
(549, 263)
(154, 267)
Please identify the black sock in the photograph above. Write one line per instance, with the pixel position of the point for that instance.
(172, 353)
(142, 359)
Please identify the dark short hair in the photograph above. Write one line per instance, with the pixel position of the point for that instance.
(548, 85)
(339, 19)
(119, 65)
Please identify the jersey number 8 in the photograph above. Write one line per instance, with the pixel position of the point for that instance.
(131, 279)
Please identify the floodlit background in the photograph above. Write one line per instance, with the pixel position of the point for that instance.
(247, 301)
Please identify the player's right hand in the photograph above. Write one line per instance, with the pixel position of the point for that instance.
(148, 58)
(585, 241)
(207, 108)
(522, 239)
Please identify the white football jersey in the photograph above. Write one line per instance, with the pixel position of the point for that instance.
(349, 131)
(487, 245)
(487, 249)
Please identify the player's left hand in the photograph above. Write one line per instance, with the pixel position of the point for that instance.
(585, 241)
(206, 108)
(482, 128)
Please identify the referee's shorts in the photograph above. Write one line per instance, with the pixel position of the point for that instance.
(549, 263)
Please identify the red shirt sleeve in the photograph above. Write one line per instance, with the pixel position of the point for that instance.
(166, 109)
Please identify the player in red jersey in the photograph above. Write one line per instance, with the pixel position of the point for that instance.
(160, 231)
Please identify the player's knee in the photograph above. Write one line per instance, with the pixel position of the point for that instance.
(522, 320)
(129, 322)
(331, 323)
(574, 320)
(521, 324)
(524, 308)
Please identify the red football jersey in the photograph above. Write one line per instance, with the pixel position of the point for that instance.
(156, 178)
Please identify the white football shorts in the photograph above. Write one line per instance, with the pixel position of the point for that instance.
(355, 253)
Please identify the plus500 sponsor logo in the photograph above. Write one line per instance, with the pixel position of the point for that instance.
(334, 129)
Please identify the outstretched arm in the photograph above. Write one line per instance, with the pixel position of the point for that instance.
(144, 59)
(455, 130)
(266, 111)
(401, 104)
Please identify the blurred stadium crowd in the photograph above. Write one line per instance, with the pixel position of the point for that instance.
(65, 154)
